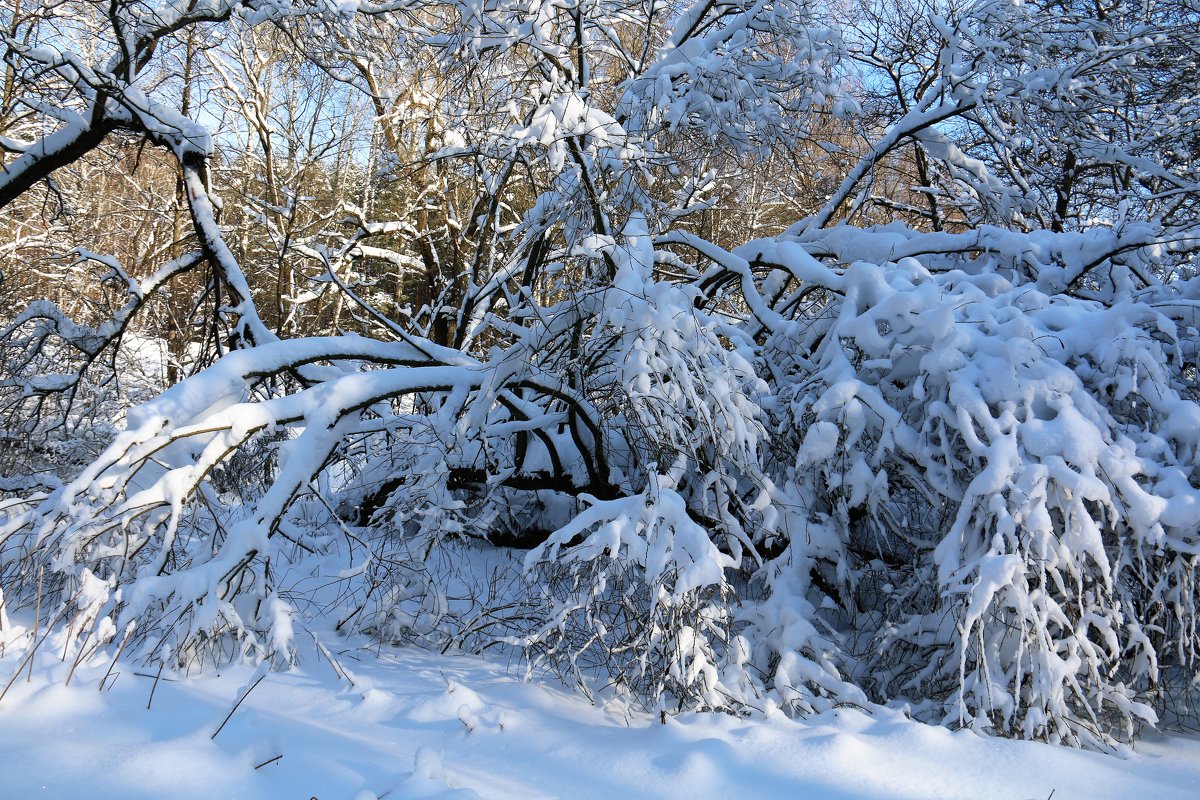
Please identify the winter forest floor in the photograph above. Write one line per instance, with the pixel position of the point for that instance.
(410, 724)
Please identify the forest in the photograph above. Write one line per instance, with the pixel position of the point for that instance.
(720, 355)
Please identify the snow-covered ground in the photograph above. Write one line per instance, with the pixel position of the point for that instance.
(408, 724)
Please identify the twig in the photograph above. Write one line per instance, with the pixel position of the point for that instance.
(79, 656)
(268, 761)
(235, 706)
(70, 630)
(155, 686)
(3, 614)
(37, 621)
(121, 649)
(338, 669)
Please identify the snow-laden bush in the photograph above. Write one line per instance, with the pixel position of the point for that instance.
(953, 487)
(1013, 469)
(637, 593)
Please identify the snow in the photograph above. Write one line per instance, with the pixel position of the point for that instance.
(408, 724)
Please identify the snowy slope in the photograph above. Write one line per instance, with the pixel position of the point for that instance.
(414, 724)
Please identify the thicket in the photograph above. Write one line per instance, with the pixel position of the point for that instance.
(725, 356)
